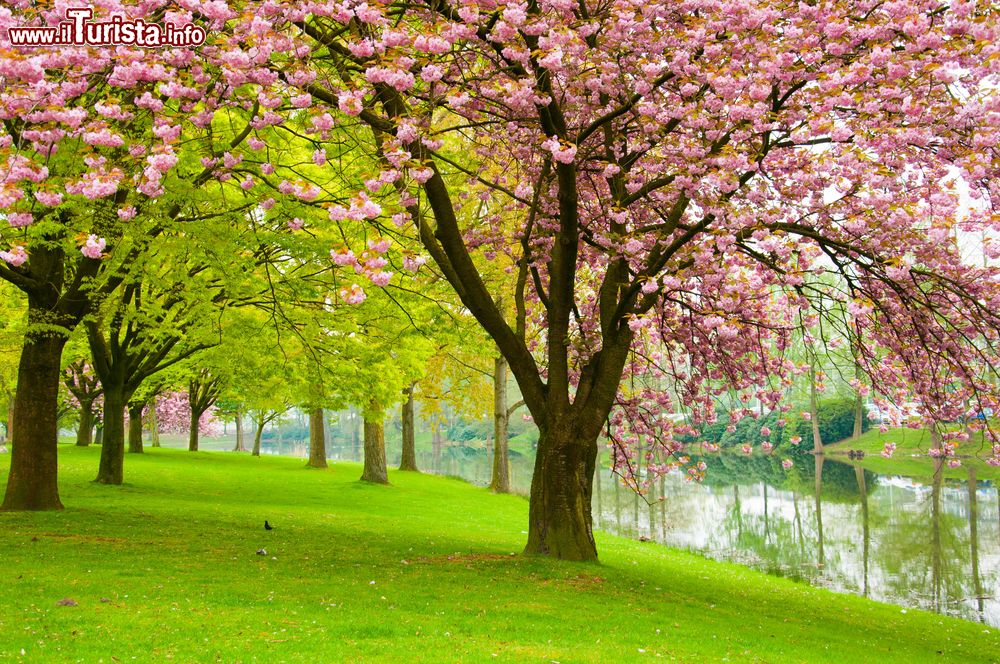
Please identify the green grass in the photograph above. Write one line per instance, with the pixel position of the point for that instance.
(164, 568)
(911, 457)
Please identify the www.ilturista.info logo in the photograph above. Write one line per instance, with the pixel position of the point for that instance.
(79, 30)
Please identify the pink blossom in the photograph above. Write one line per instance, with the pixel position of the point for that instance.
(16, 256)
(786, 463)
(421, 175)
(319, 157)
(20, 219)
(381, 278)
(564, 153)
(353, 295)
(94, 247)
(126, 213)
(47, 198)
(413, 263)
(888, 449)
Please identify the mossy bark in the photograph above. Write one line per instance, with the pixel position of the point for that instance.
(32, 482)
(559, 517)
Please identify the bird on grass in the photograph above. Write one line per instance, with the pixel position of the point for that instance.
(267, 526)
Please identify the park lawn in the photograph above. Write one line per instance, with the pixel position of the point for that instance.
(910, 458)
(427, 569)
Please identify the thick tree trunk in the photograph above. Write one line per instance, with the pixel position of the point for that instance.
(500, 482)
(111, 470)
(317, 439)
(409, 458)
(32, 482)
(559, 517)
(135, 428)
(193, 431)
(375, 466)
(239, 432)
(85, 432)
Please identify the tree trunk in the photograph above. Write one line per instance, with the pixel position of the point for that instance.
(356, 435)
(32, 482)
(317, 439)
(375, 466)
(409, 458)
(154, 425)
(99, 432)
(814, 410)
(85, 432)
(436, 447)
(193, 431)
(500, 482)
(111, 470)
(256, 437)
(559, 518)
(135, 428)
(239, 432)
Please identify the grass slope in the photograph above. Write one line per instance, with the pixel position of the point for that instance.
(164, 568)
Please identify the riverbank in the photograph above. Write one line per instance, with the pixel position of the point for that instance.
(166, 567)
(911, 457)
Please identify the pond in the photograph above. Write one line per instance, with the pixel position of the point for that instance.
(931, 542)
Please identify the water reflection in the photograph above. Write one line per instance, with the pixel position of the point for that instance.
(930, 543)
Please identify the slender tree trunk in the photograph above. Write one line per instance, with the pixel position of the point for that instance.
(814, 410)
(375, 465)
(32, 482)
(239, 432)
(135, 428)
(436, 447)
(85, 432)
(409, 457)
(559, 515)
(317, 439)
(500, 482)
(99, 432)
(256, 436)
(193, 431)
(154, 425)
(356, 438)
(111, 470)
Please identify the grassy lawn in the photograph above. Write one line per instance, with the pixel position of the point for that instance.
(428, 569)
(911, 457)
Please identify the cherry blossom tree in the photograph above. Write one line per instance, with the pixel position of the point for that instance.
(665, 176)
(90, 174)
